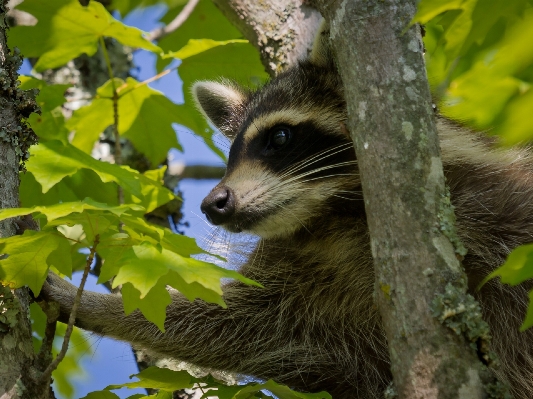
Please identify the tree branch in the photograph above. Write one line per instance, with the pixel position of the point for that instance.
(283, 31)
(161, 32)
(72, 318)
(393, 128)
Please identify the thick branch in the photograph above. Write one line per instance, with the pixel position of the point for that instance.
(392, 124)
(282, 30)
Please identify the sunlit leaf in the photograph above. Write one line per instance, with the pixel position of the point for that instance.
(170, 380)
(281, 391)
(149, 267)
(146, 118)
(56, 211)
(153, 305)
(517, 268)
(101, 395)
(50, 96)
(528, 322)
(66, 29)
(159, 378)
(197, 46)
(38, 325)
(206, 21)
(428, 9)
(50, 124)
(51, 161)
(27, 263)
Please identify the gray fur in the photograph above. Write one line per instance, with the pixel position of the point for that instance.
(315, 326)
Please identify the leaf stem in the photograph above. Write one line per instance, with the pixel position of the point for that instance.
(118, 146)
(72, 318)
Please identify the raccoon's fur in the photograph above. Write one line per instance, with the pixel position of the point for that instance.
(292, 179)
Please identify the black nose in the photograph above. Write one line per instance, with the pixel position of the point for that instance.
(219, 205)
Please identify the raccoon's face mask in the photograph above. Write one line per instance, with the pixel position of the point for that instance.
(288, 160)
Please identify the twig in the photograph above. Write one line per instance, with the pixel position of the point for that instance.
(161, 32)
(118, 146)
(51, 310)
(72, 318)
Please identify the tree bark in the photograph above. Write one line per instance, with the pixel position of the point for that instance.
(391, 122)
(283, 31)
(18, 376)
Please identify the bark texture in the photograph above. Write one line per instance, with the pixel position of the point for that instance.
(283, 31)
(17, 373)
(413, 240)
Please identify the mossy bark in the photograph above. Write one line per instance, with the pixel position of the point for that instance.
(18, 376)
(391, 120)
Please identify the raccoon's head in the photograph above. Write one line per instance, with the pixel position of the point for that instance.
(289, 158)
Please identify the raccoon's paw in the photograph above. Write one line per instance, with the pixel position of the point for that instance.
(59, 291)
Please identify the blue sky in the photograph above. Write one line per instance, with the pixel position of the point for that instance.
(112, 362)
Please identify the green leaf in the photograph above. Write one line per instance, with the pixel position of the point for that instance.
(146, 118)
(50, 96)
(182, 245)
(65, 30)
(281, 391)
(197, 46)
(112, 249)
(27, 263)
(56, 211)
(528, 322)
(101, 395)
(429, 9)
(82, 184)
(517, 268)
(51, 161)
(149, 268)
(153, 305)
(89, 122)
(50, 124)
(159, 378)
(38, 325)
(93, 223)
(206, 21)
(86, 183)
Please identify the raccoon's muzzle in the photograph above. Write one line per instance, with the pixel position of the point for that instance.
(219, 205)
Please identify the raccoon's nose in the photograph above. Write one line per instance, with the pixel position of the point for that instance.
(219, 205)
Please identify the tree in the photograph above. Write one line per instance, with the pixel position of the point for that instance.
(116, 219)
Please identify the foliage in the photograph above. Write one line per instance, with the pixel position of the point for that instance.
(480, 68)
(474, 49)
(80, 202)
(167, 381)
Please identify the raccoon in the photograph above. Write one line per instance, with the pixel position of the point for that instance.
(292, 179)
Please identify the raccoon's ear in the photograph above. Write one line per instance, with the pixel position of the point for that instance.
(321, 53)
(220, 103)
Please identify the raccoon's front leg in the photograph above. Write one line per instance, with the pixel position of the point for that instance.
(200, 333)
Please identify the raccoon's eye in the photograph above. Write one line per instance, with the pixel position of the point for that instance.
(279, 137)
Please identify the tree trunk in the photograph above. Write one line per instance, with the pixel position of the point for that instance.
(391, 122)
(283, 31)
(17, 374)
